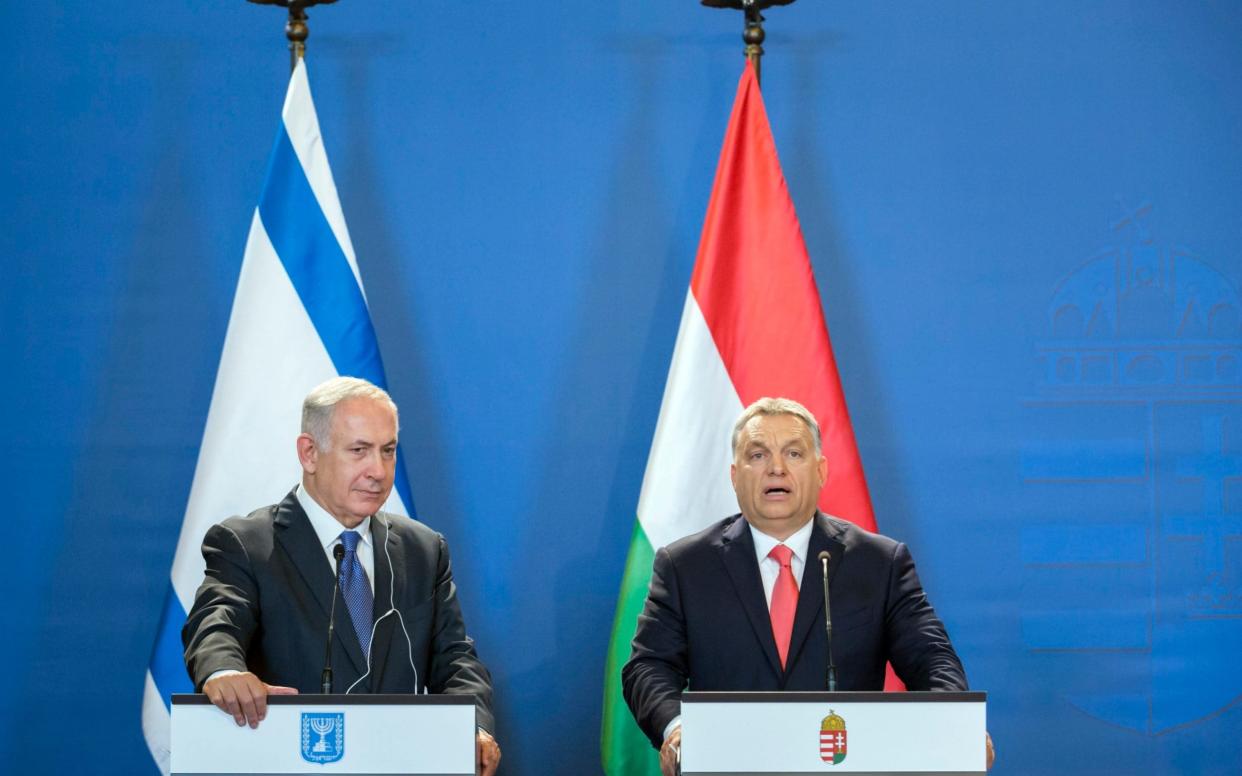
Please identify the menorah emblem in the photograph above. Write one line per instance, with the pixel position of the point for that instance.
(322, 728)
(323, 737)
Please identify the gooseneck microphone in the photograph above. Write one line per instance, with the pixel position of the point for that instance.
(824, 557)
(325, 679)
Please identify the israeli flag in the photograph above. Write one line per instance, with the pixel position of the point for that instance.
(299, 318)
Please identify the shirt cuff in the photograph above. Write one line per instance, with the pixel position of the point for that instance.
(670, 727)
(223, 672)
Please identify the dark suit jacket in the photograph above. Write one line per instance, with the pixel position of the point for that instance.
(705, 625)
(263, 607)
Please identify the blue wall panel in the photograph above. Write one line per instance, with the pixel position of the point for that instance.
(1024, 219)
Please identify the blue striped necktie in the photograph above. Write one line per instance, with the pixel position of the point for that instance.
(356, 590)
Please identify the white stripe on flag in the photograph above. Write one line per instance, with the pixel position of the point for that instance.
(686, 486)
(155, 724)
(247, 456)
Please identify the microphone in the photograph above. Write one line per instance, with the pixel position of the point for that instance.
(325, 678)
(824, 557)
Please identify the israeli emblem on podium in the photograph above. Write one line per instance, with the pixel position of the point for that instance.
(323, 737)
(832, 739)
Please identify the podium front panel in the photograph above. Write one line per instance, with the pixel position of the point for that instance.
(825, 733)
(430, 735)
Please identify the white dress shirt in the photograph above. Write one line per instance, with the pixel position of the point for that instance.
(329, 529)
(769, 569)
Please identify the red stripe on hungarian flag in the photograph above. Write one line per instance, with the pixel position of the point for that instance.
(754, 284)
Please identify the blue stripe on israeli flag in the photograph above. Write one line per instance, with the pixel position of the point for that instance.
(299, 317)
(313, 258)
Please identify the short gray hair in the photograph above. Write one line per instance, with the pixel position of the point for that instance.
(320, 404)
(778, 406)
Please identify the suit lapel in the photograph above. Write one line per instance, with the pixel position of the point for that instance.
(737, 550)
(300, 542)
(385, 547)
(810, 612)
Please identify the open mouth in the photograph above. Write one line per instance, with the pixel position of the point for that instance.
(777, 491)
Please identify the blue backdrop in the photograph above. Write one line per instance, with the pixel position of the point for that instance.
(1024, 218)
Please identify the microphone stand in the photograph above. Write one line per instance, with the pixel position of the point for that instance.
(325, 678)
(824, 557)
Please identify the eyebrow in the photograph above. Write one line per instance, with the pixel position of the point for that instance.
(753, 443)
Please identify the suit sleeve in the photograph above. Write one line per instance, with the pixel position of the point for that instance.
(656, 673)
(455, 665)
(918, 645)
(220, 624)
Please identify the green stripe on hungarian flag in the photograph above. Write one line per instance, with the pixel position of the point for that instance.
(752, 326)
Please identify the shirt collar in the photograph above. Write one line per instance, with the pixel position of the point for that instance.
(799, 541)
(327, 527)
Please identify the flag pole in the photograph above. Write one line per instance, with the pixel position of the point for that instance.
(295, 29)
(752, 33)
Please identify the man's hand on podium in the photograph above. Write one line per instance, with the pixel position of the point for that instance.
(243, 695)
(670, 753)
(991, 751)
(489, 753)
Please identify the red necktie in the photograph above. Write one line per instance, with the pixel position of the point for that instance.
(784, 601)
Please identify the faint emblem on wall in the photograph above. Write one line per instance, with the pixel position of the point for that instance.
(1132, 464)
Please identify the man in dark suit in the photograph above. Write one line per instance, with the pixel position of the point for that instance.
(260, 619)
(739, 605)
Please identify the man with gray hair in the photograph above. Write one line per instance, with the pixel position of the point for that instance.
(739, 606)
(260, 618)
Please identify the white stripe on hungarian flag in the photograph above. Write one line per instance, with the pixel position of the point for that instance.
(752, 327)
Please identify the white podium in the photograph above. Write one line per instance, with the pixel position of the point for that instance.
(429, 735)
(788, 733)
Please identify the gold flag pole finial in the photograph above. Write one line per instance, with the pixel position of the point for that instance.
(753, 34)
(295, 29)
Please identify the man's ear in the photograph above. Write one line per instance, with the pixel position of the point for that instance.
(308, 453)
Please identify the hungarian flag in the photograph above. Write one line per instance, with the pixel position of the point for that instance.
(752, 326)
